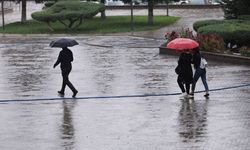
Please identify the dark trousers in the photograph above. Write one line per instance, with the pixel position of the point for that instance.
(181, 83)
(65, 76)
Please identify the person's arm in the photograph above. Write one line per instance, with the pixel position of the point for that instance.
(71, 56)
(58, 61)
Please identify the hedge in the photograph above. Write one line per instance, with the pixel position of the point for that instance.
(199, 24)
(232, 31)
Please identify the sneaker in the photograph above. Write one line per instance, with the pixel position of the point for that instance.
(191, 95)
(183, 95)
(74, 94)
(206, 95)
(60, 92)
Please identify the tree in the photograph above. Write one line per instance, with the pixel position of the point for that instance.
(69, 13)
(235, 8)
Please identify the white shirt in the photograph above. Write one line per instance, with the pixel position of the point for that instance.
(203, 63)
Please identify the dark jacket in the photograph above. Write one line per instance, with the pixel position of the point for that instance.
(186, 72)
(65, 58)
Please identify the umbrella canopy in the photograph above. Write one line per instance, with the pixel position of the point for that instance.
(182, 44)
(64, 42)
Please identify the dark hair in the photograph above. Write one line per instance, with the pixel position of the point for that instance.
(197, 49)
(202, 55)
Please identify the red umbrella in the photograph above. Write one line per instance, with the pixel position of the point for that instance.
(182, 44)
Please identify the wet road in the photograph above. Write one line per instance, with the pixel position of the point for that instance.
(127, 66)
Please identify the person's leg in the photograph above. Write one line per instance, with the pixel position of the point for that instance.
(187, 87)
(70, 85)
(204, 81)
(65, 75)
(180, 83)
(197, 75)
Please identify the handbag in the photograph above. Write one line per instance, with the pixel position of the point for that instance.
(178, 69)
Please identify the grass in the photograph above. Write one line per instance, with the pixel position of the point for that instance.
(112, 24)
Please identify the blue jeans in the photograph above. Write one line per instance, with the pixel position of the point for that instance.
(200, 73)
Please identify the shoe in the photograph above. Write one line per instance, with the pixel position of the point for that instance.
(206, 95)
(60, 92)
(74, 94)
(183, 95)
(190, 95)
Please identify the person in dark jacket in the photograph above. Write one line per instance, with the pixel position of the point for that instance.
(200, 71)
(185, 75)
(65, 58)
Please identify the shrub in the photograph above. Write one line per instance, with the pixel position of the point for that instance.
(245, 51)
(232, 32)
(69, 13)
(244, 17)
(171, 36)
(211, 42)
(184, 33)
(208, 42)
(199, 24)
(234, 8)
(49, 4)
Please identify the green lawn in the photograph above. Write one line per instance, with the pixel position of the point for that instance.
(112, 24)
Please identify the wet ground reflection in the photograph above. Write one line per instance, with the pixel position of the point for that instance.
(67, 128)
(193, 120)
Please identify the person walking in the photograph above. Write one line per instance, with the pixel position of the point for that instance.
(64, 59)
(200, 64)
(185, 73)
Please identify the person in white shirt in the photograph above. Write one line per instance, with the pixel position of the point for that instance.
(200, 64)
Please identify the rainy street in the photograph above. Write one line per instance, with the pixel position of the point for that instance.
(127, 66)
(111, 70)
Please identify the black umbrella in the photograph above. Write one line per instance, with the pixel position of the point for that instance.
(64, 42)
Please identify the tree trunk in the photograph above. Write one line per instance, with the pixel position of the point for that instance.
(150, 12)
(167, 7)
(23, 17)
(3, 14)
(103, 15)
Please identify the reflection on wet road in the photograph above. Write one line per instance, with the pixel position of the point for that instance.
(124, 66)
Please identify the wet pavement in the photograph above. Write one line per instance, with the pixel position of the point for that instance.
(120, 68)
(128, 65)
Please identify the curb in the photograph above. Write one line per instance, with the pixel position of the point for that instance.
(226, 58)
